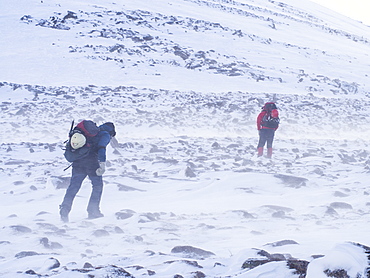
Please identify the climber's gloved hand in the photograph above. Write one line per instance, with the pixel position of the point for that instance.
(100, 171)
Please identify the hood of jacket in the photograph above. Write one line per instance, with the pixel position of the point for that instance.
(109, 127)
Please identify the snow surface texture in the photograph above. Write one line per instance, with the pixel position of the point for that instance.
(185, 194)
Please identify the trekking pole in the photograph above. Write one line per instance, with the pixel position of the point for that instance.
(68, 167)
(70, 130)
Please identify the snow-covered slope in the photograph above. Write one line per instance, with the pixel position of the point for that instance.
(185, 194)
(266, 46)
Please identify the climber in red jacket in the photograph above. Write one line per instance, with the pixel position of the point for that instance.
(267, 123)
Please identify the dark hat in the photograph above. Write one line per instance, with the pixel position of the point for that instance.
(110, 128)
(269, 106)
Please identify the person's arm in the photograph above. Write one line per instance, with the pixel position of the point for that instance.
(102, 144)
(259, 119)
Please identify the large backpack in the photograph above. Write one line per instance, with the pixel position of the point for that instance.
(271, 118)
(84, 131)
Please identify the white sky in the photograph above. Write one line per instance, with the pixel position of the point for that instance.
(356, 9)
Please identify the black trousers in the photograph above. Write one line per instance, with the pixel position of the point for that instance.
(266, 136)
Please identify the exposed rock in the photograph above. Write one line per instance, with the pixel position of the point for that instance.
(198, 274)
(292, 181)
(115, 271)
(18, 182)
(49, 244)
(51, 263)
(340, 194)
(124, 214)
(253, 263)
(282, 243)
(60, 182)
(216, 145)
(300, 267)
(331, 211)
(192, 252)
(122, 187)
(189, 173)
(26, 254)
(87, 265)
(340, 205)
(100, 233)
(16, 162)
(149, 217)
(118, 230)
(191, 263)
(281, 214)
(31, 272)
(244, 214)
(278, 208)
(48, 226)
(20, 229)
(155, 149)
(338, 273)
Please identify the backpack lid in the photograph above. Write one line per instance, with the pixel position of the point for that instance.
(88, 128)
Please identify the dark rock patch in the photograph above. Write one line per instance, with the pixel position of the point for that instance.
(124, 214)
(292, 181)
(340, 205)
(282, 243)
(192, 252)
(100, 233)
(24, 254)
(60, 182)
(21, 229)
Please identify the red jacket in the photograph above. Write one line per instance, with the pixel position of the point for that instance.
(274, 113)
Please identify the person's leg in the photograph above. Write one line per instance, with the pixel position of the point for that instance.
(269, 153)
(78, 175)
(270, 139)
(260, 151)
(93, 207)
(261, 142)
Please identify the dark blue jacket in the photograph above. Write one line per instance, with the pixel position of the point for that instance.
(98, 153)
(101, 141)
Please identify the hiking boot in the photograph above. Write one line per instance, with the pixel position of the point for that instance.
(94, 215)
(64, 218)
(64, 214)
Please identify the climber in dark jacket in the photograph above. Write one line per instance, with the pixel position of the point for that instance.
(92, 166)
